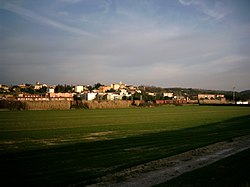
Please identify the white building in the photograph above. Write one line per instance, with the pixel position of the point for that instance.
(52, 95)
(124, 92)
(91, 96)
(51, 90)
(151, 94)
(113, 96)
(38, 85)
(117, 86)
(79, 89)
(242, 103)
(168, 95)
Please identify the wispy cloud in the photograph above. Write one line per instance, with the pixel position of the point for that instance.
(43, 20)
(69, 1)
(215, 12)
(186, 2)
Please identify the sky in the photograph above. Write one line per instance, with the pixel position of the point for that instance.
(167, 43)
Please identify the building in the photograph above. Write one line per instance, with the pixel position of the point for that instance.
(46, 97)
(211, 99)
(22, 86)
(117, 86)
(38, 85)
(103, 89)
(114, 96)
(91, 96)
(79, 89)
(210, 96)
(53, 95)
(51, 90)
(242, 102)
(4, 88)
(32, 97)
(61, 96)
(170, 95)
(151, 94)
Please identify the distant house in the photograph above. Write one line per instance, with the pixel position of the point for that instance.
(242, 102)
(210, 96)
(220, 96)
(211, 99)
(79, 89)
(32, 97)
(61, 96)
(4, 88)
(22, 86)
(170, 95)
(91, 96)
(138, 91)
(38, 85)
(103, 89)
(50, 90)
(7, 97)
(53, 95)
(124, 93)
(47, 97)
(117, 86)
(114, 96)
(151, 94)
(206, 96)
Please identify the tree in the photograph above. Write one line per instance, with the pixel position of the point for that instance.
(97, 85)
(136, 96)
(90, 88)
(63, 88)
(29, 90)
(110, 90)
(67, 88)
(42, 90)
(15, 89)
(59, 88)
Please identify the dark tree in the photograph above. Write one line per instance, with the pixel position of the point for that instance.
(42, 90)
(63, 88)
(97, 85)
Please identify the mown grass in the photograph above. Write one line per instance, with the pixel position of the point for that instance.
(61, 148)
(36, 129)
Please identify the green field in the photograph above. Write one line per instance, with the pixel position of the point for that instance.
(61, 148)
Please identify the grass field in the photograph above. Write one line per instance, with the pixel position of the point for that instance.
(61, 148)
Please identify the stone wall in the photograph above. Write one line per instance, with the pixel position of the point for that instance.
(107, 104)
(47, 105)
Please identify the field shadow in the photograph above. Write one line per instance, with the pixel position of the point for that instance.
(82, 163)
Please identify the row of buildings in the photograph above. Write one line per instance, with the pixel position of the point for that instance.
(115, 91)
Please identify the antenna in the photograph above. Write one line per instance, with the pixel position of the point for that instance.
(234, 99)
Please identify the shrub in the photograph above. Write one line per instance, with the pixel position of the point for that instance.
(11, 105)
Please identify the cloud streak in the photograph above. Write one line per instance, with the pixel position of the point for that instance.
(187, 2)
(215, 12)
(70, 1)
(25, 13)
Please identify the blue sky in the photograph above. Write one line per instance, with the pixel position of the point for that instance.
(167, 43)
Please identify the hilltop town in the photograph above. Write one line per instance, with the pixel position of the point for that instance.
(137, 95)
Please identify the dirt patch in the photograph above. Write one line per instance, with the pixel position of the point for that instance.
(162, 170)
(98, 135)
